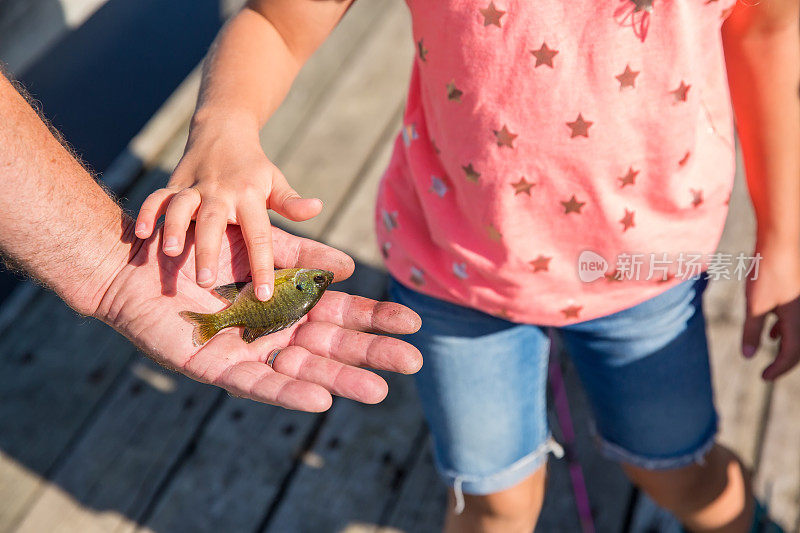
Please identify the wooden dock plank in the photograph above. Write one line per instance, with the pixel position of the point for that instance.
(352, 229)
(356, 108)
(44, 377)
(18, 487)
(47, 396)
(355, 463)
(650, 518)
(66, 386)
(27, 320)
(778, 477)
(28, 28)
(111, 475)
(558, 510)
(158, 176)
(421, 500)
(160, 132)
(311, 90)
(19, 301)
(237, 468)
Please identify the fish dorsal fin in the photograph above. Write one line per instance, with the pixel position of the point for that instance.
(285, 275)
(251, 334)
(231, 290)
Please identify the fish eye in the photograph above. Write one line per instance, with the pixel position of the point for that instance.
(299, 287)
(319, 280)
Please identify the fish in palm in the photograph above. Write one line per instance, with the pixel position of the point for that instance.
(297, 290)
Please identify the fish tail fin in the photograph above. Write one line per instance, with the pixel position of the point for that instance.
(206, 326)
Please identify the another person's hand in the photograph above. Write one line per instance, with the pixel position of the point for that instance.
(224, 178)
(776, 289)
(321, 355)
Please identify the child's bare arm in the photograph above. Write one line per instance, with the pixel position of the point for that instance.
(224, 176)
(762, 49)
(257, 56)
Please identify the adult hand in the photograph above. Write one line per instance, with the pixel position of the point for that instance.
(321, 355)
(776, 289)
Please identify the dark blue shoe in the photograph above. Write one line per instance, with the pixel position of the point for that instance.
(762, 523)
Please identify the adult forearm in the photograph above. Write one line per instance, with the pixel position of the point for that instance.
(762, 49)
(56, 222)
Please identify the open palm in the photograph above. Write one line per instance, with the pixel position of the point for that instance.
(321, 354)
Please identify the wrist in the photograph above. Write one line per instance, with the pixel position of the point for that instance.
(215, 119)
(117, 245)
(211, 130)
(778, 238)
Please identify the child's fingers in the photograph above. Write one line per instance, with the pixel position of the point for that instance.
(775, 330)
(788, 355)
(286, 202)
(153, 207)
(789, 348)
(254, 221)
(210, 226)
(179, 215)
(751, 334)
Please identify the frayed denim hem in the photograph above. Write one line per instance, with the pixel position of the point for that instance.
(614, 452)
(508, 477)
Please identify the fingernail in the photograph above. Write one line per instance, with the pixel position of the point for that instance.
(263, 292)
(170, 243)
(140, 228)
(748, 350)
(203, 275)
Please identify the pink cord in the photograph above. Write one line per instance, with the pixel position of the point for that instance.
(568, 435)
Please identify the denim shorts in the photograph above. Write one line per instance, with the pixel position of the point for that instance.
(483, 386)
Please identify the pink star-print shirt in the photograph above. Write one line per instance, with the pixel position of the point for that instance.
(537, 130)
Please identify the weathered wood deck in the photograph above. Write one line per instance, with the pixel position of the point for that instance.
(93, 437)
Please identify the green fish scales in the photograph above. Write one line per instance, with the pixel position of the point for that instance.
(297, 291)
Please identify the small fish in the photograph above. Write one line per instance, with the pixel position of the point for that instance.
(297, 290)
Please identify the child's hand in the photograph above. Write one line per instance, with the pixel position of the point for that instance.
(777, 290)
(224, 178)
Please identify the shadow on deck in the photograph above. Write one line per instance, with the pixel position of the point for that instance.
(96, 438)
